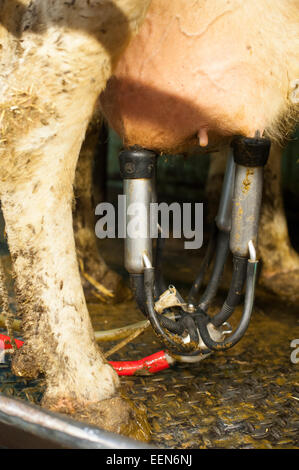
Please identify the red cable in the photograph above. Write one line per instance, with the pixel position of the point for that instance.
(148, 365)
(5, 342)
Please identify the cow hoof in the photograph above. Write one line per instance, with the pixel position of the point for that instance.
(109, 289)
(24, 363)
(283, 284)
(116, 285)
(115, 414)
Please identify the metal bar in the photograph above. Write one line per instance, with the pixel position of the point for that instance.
(27, 426)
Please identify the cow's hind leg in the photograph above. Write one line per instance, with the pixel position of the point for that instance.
(96, 276)
(280, 273)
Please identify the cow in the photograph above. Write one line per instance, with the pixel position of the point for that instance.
(206, 70)
(56, 57)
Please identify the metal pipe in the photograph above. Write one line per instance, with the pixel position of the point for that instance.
(251, 155)
(27, 426)
(137, 242)
(246, 209)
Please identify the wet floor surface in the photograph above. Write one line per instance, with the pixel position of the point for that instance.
(247, 397)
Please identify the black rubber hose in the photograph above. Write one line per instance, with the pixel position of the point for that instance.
(222, 250)
(235, 292)
(176, 327)
(235, 337)
(192, 297)
(191, 327)
(137, 286)
(160, 285)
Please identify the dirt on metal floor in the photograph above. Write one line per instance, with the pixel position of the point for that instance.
(247, 397)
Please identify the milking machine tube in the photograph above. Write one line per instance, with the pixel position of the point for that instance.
(223, 226)
(189, 333)
(160, 282)
(160, 285)
(137, 167)
(250, 155)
